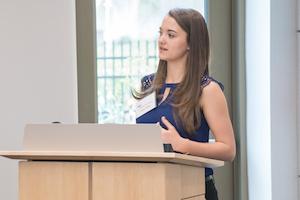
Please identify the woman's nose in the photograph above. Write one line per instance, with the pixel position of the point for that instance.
(161, 39)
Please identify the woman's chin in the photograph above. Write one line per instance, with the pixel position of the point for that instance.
(162, 58)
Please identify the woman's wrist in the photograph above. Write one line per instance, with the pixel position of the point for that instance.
(185, 146)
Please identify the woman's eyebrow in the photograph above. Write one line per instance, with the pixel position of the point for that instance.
(169, 30)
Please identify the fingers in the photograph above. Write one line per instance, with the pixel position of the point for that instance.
(167, 123)
(165, 135)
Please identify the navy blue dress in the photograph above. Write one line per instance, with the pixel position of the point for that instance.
(165, 109)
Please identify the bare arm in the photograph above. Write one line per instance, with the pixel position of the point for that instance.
(215, 110)
(214, 106)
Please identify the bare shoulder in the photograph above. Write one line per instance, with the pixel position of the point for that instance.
(212, 94)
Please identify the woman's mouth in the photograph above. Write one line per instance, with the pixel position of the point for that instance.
(163, 49)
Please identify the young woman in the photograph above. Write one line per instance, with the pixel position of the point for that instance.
(189, 101)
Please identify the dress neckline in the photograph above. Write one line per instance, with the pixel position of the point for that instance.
(170, 84)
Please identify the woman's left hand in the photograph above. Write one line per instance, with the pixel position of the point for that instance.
(171, 136)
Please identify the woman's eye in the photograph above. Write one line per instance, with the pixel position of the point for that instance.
(171, 35)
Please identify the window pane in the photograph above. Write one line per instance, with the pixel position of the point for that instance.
(127, 32)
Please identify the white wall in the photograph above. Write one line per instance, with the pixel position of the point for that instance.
(284, 99)
(258, 99)
(271, 62)
(38, 81)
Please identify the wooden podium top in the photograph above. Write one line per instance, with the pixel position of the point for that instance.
(112, 157)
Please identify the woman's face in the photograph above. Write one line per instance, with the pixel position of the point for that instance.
(172, 40)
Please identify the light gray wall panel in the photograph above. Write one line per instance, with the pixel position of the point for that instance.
(38, 81)
(284, 99)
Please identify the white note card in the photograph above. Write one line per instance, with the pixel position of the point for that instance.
(145, 104)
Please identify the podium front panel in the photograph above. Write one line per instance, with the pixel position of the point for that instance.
(53, 180)
(147, 181)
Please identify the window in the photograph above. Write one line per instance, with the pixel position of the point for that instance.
(127, 33)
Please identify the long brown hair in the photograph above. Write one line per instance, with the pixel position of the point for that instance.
(187, 94)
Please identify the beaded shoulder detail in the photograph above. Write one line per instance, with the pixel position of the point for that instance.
(147, 81)
(207, 79)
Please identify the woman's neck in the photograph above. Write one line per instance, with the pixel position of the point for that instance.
(175, 72)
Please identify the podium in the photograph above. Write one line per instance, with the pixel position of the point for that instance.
(110, 176)
(104, 175)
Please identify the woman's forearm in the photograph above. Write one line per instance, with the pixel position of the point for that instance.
(215, 150)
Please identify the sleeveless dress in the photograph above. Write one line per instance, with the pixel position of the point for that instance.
(165, 109)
